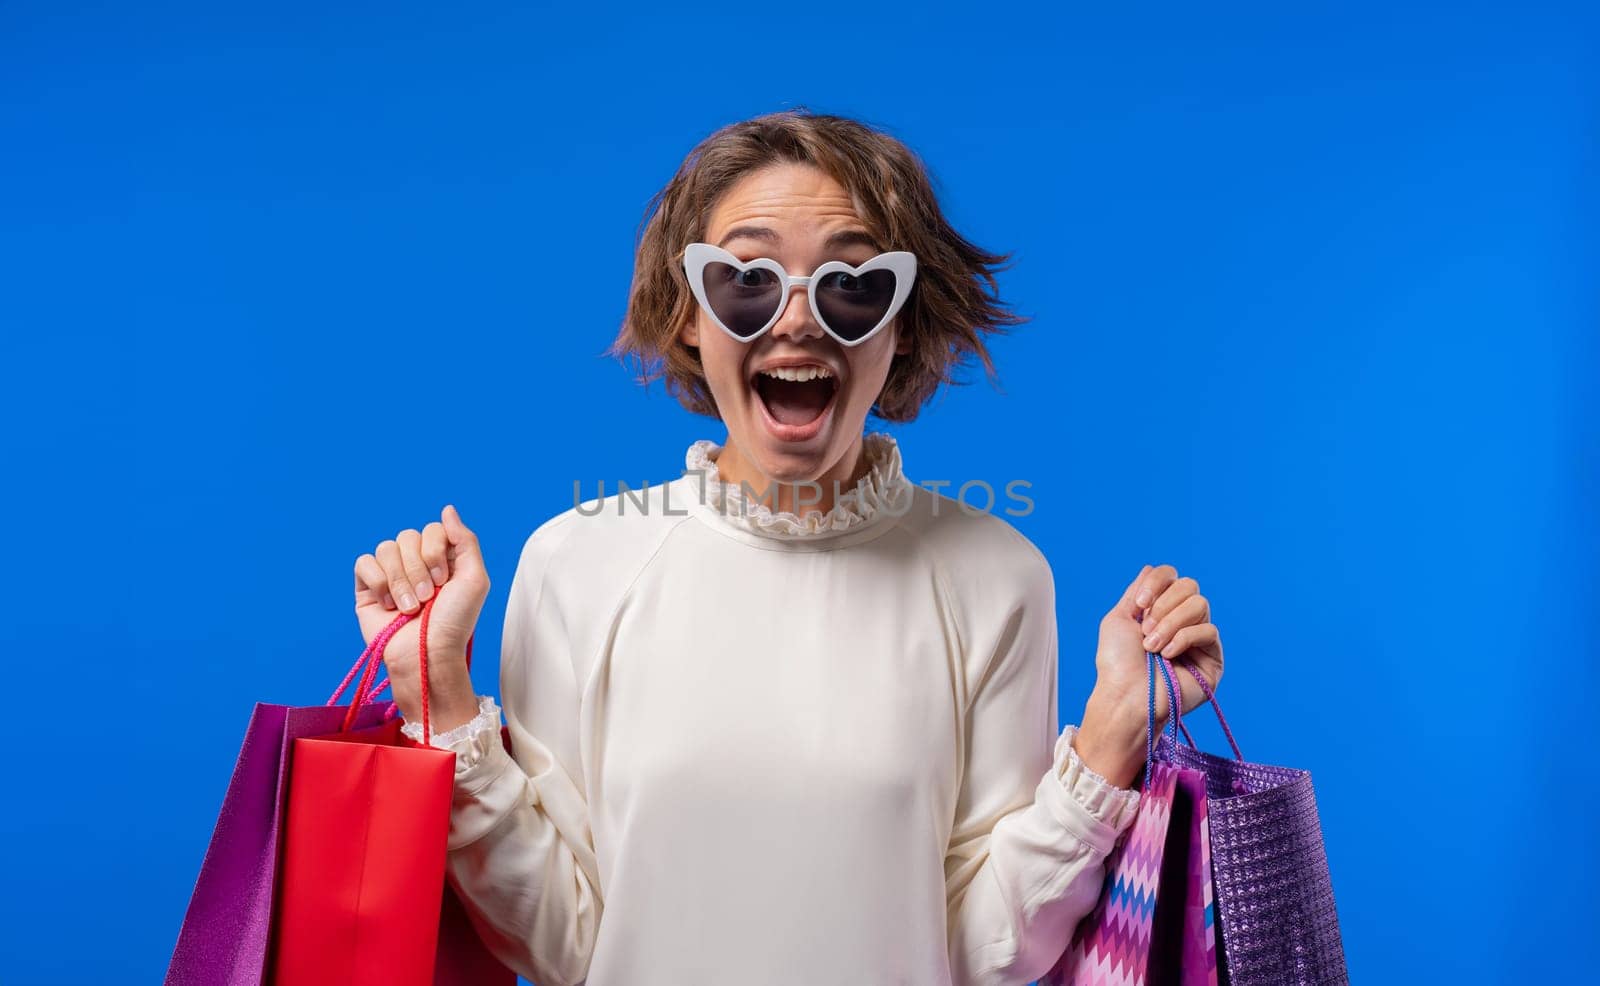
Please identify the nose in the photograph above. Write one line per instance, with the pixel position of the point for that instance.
(797, 322)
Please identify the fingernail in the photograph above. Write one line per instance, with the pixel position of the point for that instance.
(1150, 642)
(438, 575)
(424, 590)
(1144, 597)
(406, 600)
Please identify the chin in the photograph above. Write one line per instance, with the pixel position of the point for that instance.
(784, 462)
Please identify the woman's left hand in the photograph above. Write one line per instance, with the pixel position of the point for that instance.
(1162, 612)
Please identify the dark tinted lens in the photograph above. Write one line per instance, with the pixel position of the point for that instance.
(744, 301)
(852, 304)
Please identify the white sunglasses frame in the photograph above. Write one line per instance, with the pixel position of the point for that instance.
(904, 265)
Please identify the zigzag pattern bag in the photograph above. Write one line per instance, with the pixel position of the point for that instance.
(1154, 920)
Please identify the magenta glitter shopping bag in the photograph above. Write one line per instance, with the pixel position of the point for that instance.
(223, 940)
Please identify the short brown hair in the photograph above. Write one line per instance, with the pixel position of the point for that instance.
(953, 304)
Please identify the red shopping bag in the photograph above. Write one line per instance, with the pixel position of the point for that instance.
(363, 899)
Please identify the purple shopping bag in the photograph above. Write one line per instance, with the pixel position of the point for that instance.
(223, 940)
(1153, 921)
(1276, 918)
(226, 937)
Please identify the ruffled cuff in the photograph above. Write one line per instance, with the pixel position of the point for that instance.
(473, 742)
(1105, 802)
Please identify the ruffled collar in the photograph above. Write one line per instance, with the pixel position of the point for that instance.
(882, 493)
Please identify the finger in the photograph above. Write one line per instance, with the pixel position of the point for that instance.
(1192, 611)
(1126, 605)
(465, 557)
(434, 546)
(372, 584)
(1176, 594)
(1198, 635)
(400, 585)
(410, 541)
(1153, 583)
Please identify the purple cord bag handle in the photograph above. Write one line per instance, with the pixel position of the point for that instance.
(1236, 784)
(1205, 687)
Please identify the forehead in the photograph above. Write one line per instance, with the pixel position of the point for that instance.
(797, 196)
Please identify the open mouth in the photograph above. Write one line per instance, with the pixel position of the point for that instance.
(796, 396)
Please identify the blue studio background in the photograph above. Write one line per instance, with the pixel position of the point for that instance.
(1310, 323)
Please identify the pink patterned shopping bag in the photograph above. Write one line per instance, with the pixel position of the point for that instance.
(1153, 923)
(1185, 943)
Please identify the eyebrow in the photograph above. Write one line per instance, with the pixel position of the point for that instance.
(837, 241)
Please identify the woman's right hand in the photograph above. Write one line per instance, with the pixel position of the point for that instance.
(399, 576)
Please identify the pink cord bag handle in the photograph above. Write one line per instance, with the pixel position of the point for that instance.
(367, 666)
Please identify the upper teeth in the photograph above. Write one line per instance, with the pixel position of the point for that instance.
(798, 374)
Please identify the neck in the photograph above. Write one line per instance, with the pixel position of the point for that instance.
(798, 495)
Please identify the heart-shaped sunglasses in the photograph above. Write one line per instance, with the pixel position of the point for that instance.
(746, 298)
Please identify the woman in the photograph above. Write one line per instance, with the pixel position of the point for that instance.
(790, 717)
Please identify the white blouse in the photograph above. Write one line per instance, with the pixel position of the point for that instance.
(754, 748)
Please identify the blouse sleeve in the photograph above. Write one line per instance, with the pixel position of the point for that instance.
(1034, 825)
(521, 855)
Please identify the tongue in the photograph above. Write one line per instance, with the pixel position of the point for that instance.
(795, 403)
